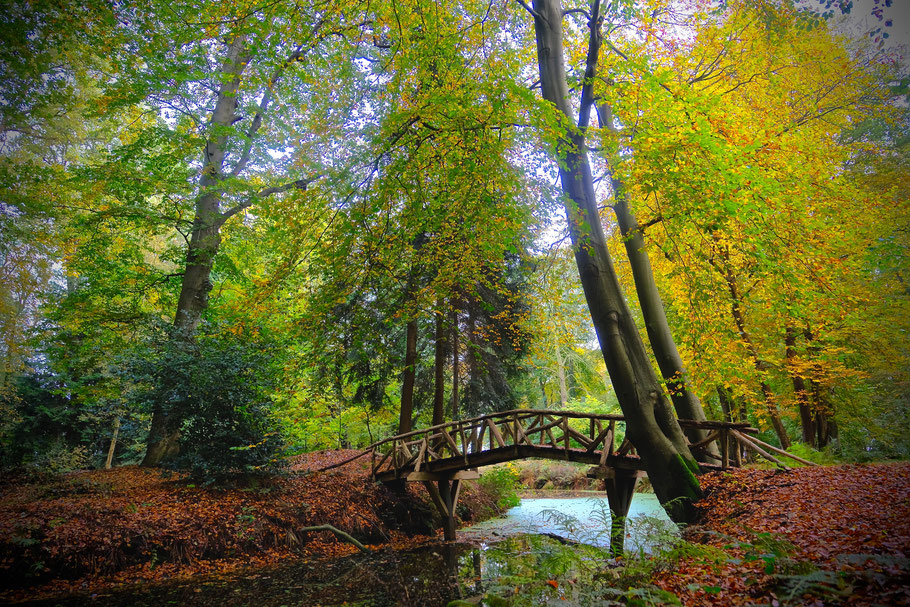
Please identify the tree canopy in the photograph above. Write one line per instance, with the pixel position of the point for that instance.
(350, 209)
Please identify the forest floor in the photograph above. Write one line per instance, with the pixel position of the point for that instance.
(834, 535)
(86, 532)
(828, 535)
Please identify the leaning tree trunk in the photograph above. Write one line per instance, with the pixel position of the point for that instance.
(736, 310)
(670, 363)
(650, 422)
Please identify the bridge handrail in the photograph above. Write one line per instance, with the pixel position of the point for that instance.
(464, 439)
(685, 423)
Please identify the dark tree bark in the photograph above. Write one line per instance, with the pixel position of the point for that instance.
(807, 420)
(650, 422)
(439, 364)
(456, 363)
(406, 419)
(760, 365)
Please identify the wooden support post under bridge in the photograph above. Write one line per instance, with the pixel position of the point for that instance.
(619, 484)
(444, 491)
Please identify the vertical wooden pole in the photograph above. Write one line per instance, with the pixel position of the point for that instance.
(446, 493)
(724, 448)
(620, 489)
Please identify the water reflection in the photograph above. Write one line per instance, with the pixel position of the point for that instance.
(585, 520)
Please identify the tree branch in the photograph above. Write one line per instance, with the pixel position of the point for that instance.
(577, 10)
(525, 5)
(267, 99)
(341, 534)
(300, 184)
(587, 89)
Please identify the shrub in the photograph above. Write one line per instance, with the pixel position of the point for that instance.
(217, 384)
(502, 483)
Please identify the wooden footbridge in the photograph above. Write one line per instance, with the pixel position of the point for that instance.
(445, 455)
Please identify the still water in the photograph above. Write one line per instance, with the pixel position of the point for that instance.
(581, 519)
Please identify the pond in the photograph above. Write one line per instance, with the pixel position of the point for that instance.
(508, 560)
(580, 519)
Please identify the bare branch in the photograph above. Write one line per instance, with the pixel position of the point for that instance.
(577, 10)
(525, 5)
(300, 184)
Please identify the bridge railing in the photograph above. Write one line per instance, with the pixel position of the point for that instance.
(561, 430)
(589, 435)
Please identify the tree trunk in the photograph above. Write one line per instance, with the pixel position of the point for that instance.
(164, 436)
(456, 363)
(685, 401)
(757, 361)
(439, 364)
(405, 421)
(110, 451)
(806, 418)
(650, 422)
(561, 377)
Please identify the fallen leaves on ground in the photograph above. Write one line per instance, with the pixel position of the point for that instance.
(90, 529)
(814, 536)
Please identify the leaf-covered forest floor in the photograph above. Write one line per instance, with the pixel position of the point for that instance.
(835, 535)
(832, 535)
(88, 531)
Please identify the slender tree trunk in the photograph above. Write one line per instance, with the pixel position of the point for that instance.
(110, 451)
(456, 363)
(439, 367)
(685, 401)
(650, 422)
(806, 418)
(822, 410)
(405, 421)
(757, 361)
(561, 377)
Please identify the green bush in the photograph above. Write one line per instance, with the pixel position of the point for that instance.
(217, 383)
(502, 483)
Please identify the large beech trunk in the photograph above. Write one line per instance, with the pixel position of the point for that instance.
(685, 401)
(650, 422)
(164, 436)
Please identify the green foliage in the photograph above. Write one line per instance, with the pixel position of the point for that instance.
(218, 383)
(502, 483)
(550, 474)
(824, 457)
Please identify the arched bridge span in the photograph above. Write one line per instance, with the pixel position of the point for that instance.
(442, 456)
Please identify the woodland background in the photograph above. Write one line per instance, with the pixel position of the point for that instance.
(383, 178)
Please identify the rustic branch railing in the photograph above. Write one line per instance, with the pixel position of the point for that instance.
(569, 435)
